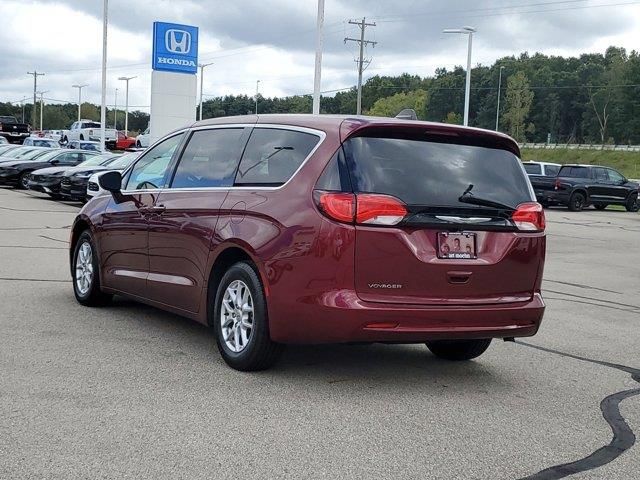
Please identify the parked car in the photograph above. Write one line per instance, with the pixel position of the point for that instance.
(7, 147)
(40, 142)
(16, 172)
(578, 186)
(73, 184)
(123, 142)
(90, 130)
(84, 145)
(54, 134)
(307, 229)
(120, 164)
(47, 180)
(12, 130)
(22, 153)
(142, 140)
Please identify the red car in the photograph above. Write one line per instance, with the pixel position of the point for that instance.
(123, 142)
(307, 229)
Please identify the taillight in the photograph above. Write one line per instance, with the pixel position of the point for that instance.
(373, 209)
(364, 208)
(337, 206)
(556, 184)
(529, 217)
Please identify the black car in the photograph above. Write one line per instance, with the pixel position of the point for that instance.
(73, 183)
(578, 186)
(47, 180)
(15, 171)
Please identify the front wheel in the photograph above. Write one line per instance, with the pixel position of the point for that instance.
(632, 204)
(241, 323)
(459, 350)
(577, 202)
(86, 273)
(23, 181)
(138, 144)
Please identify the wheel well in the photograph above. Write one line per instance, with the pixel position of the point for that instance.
(583, 192)
(78, 228)
(226, 259)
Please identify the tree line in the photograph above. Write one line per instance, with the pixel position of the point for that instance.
(592, 98)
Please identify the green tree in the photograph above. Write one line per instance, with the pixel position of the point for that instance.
(519, 98)
(391, 106)
(453, 118)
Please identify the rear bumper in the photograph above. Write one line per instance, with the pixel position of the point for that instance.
(340, 316)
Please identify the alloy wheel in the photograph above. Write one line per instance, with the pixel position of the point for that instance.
(84, 268)
(236, 316)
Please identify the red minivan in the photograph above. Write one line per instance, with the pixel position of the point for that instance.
(312, 229)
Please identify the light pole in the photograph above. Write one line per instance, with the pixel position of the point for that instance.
(79, 87)
(498, 107)
(115, 112)
(126, 104)
(469, 31)
(318, 70)
(202, 65)
(257, 90)
(42, 106)
(103, 105)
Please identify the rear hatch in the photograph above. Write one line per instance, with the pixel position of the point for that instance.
(442, 221)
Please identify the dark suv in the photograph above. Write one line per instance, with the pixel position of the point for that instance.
(309, 229)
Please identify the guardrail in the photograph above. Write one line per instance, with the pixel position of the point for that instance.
(584, 146)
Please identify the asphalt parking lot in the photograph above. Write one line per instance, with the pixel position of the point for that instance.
(132, 392)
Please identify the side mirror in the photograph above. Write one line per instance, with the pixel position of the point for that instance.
(111, 181)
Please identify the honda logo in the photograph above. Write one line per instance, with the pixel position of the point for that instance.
(177, 41)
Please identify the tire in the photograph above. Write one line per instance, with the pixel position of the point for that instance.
(459, 350)
(87, 293)
(23, 181)
(138, 144)
(632, 204)
(81, 137)
(600, 207)
(254, 350)
(577, 202)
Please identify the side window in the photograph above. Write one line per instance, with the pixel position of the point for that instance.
(272, 156)
(150, 170)
(68, 159)
(335, 176)
(210, 159)
(601, 175)
(615, 176)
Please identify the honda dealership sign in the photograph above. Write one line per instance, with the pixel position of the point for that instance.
(175, 47)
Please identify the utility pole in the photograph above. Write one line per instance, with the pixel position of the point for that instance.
(115, 112)
(202, 65)
(257, 91)
(126, 104)
(498, 107)
(318, 69)
(103, 103)
(35, 88)
(363, 25)
(42, 106)
(79, 87)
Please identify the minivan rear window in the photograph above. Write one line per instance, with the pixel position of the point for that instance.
(427, 173)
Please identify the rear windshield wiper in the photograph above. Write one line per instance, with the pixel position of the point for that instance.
(471, 199)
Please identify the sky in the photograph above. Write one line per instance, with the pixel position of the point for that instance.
(274, 40)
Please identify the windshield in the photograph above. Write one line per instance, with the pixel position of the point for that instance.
(97, 160)
(49, 156)
(90, 146)
(43, 143)
(123, 162)
(36, 153)
(8, 120)
(425, 173)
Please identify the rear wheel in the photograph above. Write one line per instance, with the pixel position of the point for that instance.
(241, 323)
(86, 273)
(632, 204)
(458, 350)
(23, 181)
(600, 207)
(138, 144)
(577, 202)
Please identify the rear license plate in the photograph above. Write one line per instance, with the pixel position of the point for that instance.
(458, 246)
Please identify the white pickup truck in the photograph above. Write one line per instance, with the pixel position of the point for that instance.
(90, 130)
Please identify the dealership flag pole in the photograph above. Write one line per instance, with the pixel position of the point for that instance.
(103, 106)
(318, 72)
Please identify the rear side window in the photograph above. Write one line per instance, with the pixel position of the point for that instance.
(574, 172)
(272, 156)
(533, 168)
(210, 159)
(552, 170)
(425, 173)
